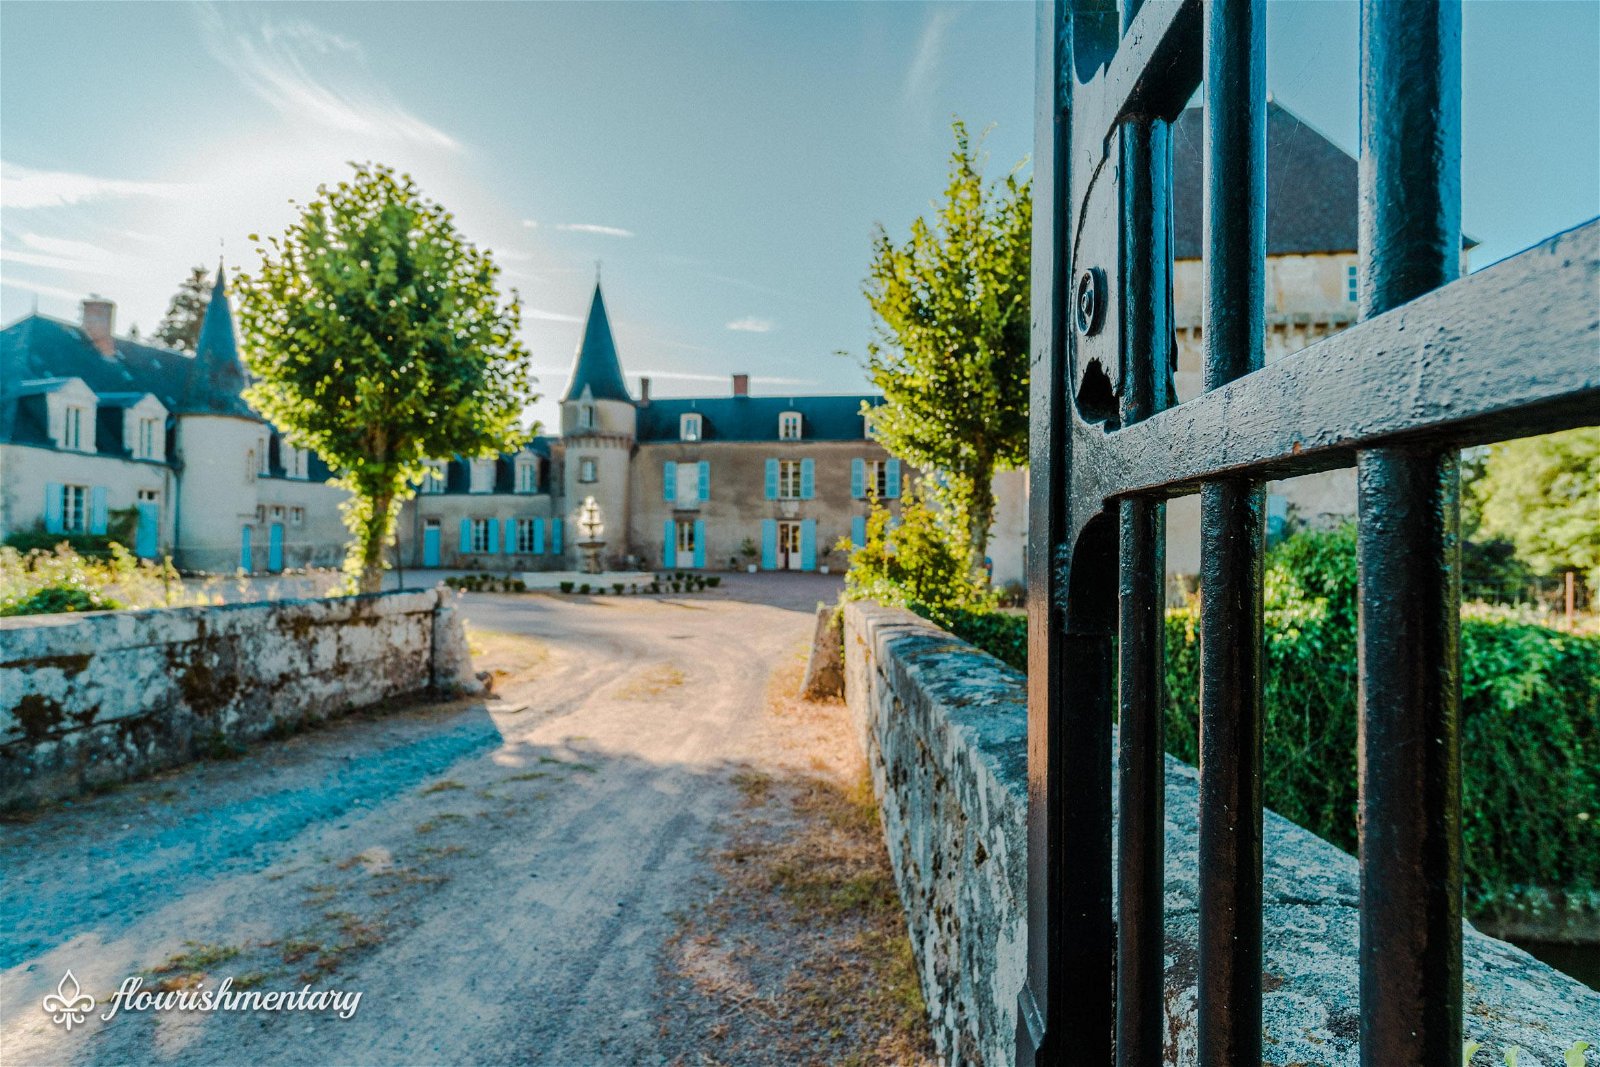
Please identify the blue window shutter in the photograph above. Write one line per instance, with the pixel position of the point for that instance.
(808, 478)
(669, 544)
(769, 543)
(511, 537)
(538, 536)
(858, 530)
(555, 536)
(98, 515)
(808, 544)
(772, 481)
(669, 480)
(892, 479)
(700, 541)
(705, 480)
(54, 520)
(466, 535)
(494, 535)
(858, 479)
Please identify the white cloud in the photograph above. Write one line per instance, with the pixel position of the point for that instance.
(532, 224)
(751, 324)
(589, 227)
(274, 60)
(24, 187)
(930, 49)
(548, 316)
(61, 254)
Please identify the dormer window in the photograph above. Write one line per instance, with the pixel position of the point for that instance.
(789, 426)
(72, 429)
(144, 442)
(293, 459)
(433, 481)
(527, 475)
(483, 475)
(689, 428)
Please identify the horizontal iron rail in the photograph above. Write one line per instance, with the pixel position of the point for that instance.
(1509, 351)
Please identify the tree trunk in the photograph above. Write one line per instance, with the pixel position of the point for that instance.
(373, 536)
(981, 516)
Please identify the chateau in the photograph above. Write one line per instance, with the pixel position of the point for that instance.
(100, 433)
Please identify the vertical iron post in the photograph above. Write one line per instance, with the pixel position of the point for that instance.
(1232, 543)
(1145, 303)
(1409, 559)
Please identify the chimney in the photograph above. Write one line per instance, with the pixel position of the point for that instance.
(741, 385)
(644, 392)
(98, 316)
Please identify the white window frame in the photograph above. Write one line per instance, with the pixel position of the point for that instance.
(588, 470)
(478, 536)
(525, 537)
(294, 461)
(297, 516)
(585, 416)
(789, 479)
(250, 466)
(266, 458)
(685, 537)
(148, 496)
(690, 427)
(482, 476)
(75, 508)
(688, 485)
(145, 443)
(72, 428)
(877, 478)
(527, 475)
(433, 482)
(277, 513)
(790, 426)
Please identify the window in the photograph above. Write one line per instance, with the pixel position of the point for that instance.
(277, 513)
(72, 428)
(1351, 285)
(483, 476)
(878, 477)
(689, 428)
(297, 516)
(789, 426)
(586, 417)
(145, 442)
(685, 539)
(527, 476)
(261, 513)
(74, 506)
(586, 470)
(250, 465)
(789, 479)
(148, 496)
(266, 460)
(478, 536)
(433, 482)
(294, 460)
(525, 541)
(688, 487)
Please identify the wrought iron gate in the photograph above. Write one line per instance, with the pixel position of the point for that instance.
(1437, 363)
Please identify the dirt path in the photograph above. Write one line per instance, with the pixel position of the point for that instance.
(498, 881)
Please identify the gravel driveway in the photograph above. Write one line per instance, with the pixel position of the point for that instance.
(497, 880)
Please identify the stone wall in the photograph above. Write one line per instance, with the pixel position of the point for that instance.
(89, 700)
(944, 729)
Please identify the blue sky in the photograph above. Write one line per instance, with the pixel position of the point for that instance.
(725, 162)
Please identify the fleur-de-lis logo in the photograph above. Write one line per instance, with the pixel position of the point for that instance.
(69, 1004)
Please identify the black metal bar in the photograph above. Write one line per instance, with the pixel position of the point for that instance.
(1409, 553)
(1232, 515)
(1145, 301)
(1047, 468)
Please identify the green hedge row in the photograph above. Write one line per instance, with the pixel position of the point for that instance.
(1530, 731)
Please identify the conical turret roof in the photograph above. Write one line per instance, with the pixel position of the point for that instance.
(217, 376)
(596, 366)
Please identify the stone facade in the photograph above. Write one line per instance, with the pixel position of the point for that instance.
(944, 730)
(93, 699)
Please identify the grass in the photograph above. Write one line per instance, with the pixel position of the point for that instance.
(198, 956)
(428, 826)
(652, 682)
(445, 786)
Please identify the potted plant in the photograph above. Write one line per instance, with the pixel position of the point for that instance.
(567, 587)
(823, 552)
(748, 551)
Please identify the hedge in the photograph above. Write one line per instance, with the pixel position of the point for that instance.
(1530, 730)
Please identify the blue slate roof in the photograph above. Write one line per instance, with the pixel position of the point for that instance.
(755, 418)
(596, 365)
(217, 377)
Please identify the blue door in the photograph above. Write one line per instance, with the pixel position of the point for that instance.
(430, 543)
(147, 538)
(244, 550)
(275, 547)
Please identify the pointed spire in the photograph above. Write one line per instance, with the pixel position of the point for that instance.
(596, 366)
(217, 376)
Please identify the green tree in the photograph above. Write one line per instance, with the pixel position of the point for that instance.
(180, 327)
(377, 337)
(1543, 495)
(950, 346)
(921, 562)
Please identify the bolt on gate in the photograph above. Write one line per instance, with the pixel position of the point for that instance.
(1436, 363)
